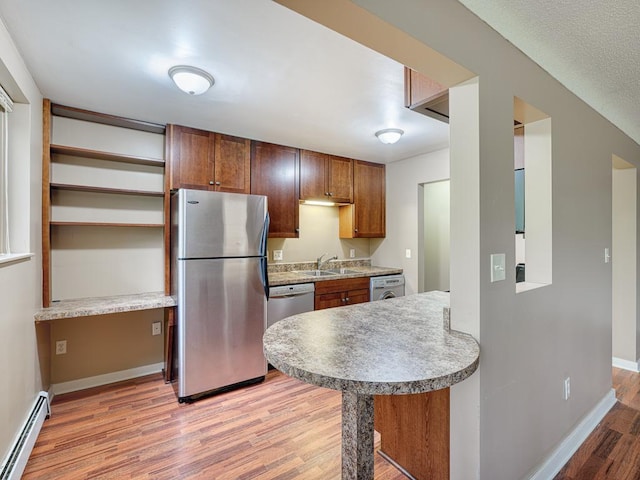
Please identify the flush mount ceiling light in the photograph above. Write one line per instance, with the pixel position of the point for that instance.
(389, 135)
(191, 80)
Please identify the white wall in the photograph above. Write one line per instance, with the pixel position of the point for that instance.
(436, 237)
(20, 283)
(404, 179)
(538, 202)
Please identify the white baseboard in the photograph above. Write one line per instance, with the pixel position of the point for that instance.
(625, 364)
(98, 380)
(565, 450)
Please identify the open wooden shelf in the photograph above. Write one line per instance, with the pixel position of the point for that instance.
(106, 224)
(106, 119)
(92, 189)
(99, 155)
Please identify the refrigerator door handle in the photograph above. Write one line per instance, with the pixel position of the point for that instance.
(265, 235)
(264, 275)
(263, 252)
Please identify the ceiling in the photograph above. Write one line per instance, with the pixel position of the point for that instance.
(285, 79)
(279, 77)
(591, 46)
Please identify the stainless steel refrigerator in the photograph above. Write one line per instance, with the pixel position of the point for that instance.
(220, 283)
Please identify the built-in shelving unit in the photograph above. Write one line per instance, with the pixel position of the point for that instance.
(103, 205)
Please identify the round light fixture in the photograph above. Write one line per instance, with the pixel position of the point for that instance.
(389, 135)
(191, 80)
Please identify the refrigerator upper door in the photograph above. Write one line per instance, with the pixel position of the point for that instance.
(220, 225)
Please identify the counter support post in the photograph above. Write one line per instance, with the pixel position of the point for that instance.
(357, 436)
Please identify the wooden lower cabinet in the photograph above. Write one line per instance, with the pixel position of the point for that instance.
(337, 293)
(414, 432)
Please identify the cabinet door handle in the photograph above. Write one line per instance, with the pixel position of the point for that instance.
(326, 194)
(355, 230)
(331, 194)
(346, 300)
(218, 183)
(211, 182)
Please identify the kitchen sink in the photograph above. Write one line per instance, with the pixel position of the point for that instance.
(316, 273)
(341, 271)
(325, 273)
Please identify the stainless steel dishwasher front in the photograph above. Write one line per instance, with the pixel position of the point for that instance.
(287, 300)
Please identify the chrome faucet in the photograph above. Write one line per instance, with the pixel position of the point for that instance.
(321, 262)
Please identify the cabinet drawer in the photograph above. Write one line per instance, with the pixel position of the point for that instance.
(342, 285)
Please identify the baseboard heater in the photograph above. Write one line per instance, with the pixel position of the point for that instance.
(13, 465)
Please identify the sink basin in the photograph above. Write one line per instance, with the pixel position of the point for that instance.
(316, 273)
(341, 271)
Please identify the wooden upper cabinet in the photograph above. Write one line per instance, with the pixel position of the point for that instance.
(232, 170)
(340, 178)
(366, 218)
(424, 95)
(207, 160)
(275, 173)
(191, 155)
(325, 177)
(419, 88)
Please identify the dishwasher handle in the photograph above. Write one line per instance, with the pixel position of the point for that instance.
(289, 295)
(292, 291)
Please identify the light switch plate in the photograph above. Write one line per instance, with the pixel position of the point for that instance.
(407, 253)
(498, 270)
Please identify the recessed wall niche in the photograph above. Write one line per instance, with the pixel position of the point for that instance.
(533, 196)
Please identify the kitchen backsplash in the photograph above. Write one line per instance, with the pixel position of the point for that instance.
(319, 233)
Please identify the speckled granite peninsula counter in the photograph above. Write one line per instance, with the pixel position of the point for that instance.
(392, 347)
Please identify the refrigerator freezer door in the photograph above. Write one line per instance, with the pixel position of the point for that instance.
(217, 225)
(220, 326)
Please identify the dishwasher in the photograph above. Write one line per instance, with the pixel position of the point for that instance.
(287, 300)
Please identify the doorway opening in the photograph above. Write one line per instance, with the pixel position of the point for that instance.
(624, 334)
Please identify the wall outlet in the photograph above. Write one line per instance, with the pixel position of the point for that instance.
(61, 347)
(277, 254)
(352, 253)
(567, 388)
(156, 328)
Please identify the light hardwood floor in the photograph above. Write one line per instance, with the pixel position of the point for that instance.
(281, 429)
